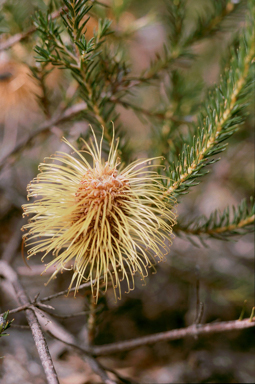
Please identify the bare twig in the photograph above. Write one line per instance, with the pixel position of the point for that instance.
(199, 304)
(200, 313)
(193, 330)
(8, 273)
(45, 128)
(19, 309)
(87, 352)
(60, 333)
(95, 365)
(57, 331)
(58, 316)
(85, 285)
(20, 326)
(21, 36)
(47, 298)
(91, 320)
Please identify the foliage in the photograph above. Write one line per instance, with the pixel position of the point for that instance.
(4, 324)
(222, 225)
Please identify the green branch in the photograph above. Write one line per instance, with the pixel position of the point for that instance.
(164, 115)
(211, 23)
(178, 47)
(220, 225)
(85, 60)
(222, 116)
(4, 324)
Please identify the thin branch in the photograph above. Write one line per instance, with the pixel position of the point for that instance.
(193, 330)
(173, 56)
(242, 224)
(85, 285)
(8, 273)
(207, 142)
(213, 25)
(146, 112)
(57, 331)
(20, 326)
(219, 223)
(215, 231)
(50, 297)
(98, 115)
(58, 316)
(19, 309)
(45, 128)
(21, 36)
(91, 320)
(155, 69)
(78, 59)
(88, 353)
(94, 103)
(95, 365)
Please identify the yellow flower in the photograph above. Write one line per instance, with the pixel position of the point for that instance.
(109, 222)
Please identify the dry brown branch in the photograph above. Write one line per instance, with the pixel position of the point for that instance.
(58, 316)
(21, 36)
(94, 364)
(91, 321)
(60, 333)
(47, 298)
(85, 285)
(193, 330)
(20, 326)
(45, 128)
(8, 273)
(57, 331)
(88, 353)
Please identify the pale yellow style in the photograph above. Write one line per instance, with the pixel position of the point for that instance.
(107, 221)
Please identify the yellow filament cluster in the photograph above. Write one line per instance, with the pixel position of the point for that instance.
(98, 220)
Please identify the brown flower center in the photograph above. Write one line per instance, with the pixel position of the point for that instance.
(100, 189)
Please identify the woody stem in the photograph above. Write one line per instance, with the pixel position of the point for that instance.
(91, 321)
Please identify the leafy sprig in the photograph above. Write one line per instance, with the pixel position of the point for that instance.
(220, 225)
(223, 114)
(212, 20)
(4, 324)
(98, 72)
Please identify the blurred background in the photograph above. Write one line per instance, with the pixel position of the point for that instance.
(223, 270)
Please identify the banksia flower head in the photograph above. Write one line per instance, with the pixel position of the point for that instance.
(103, 222)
